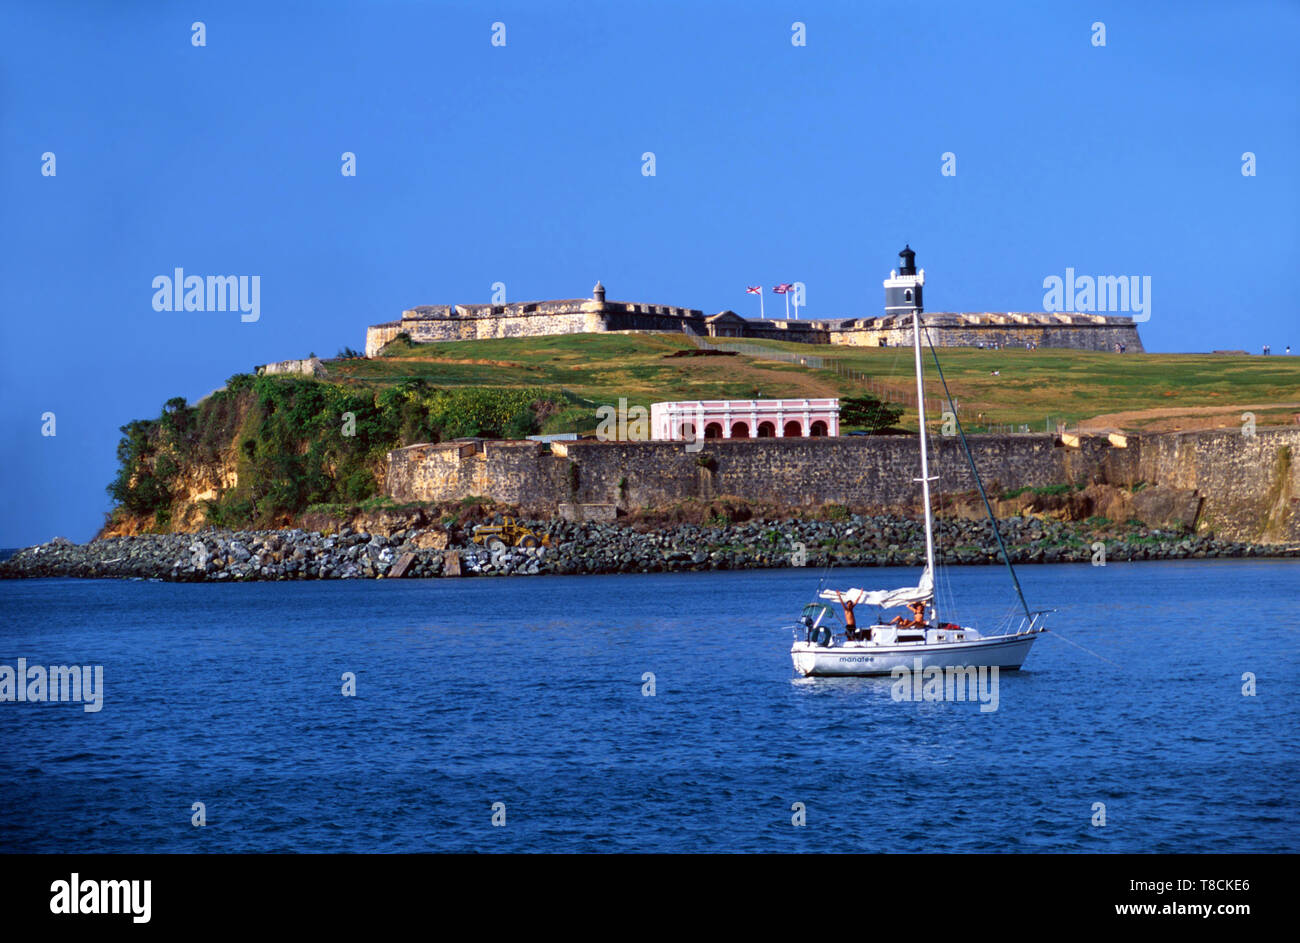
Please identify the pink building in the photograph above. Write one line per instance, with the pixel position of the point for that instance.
(745, 419)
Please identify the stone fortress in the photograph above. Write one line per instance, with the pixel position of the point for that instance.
(1217, 481)
(434, 323)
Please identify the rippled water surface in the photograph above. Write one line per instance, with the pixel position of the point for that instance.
(528, 692)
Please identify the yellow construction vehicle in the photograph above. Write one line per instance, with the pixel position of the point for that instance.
(509, 533)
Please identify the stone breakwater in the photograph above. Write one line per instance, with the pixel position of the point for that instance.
(581, 548)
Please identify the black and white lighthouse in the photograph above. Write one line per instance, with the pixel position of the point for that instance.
(903, 287)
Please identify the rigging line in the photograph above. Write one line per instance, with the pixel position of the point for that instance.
(1008, 617)
(826, 572)
(1053, 632)
(943, 552)
(978, 482)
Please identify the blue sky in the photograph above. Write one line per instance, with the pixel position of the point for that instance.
(522, 164)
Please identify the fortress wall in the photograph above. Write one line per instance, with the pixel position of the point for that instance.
(651, 321)
(796, 332)
(428, 470)
(1250, 485)
(309, 366)
(513, 472)
(1245, 488)
(1225, 459)
(856, 470)
(1077, 336)
(378, 335)
(431, 330)
(438, 323)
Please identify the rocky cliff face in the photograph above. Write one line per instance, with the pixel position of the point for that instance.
(194, 485)
(258, 451)
(1173, 509)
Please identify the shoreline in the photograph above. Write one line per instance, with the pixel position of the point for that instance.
(593, 548)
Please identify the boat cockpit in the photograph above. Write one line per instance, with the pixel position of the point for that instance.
(820, 625)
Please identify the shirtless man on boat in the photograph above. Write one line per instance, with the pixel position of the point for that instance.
(850, 620)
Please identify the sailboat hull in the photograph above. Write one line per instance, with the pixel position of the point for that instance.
(1004, 652)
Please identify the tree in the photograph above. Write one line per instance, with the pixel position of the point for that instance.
(869, 413)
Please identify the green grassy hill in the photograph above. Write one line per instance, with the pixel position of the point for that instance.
(1131, 391)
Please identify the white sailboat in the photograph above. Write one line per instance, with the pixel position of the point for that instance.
(824, 647)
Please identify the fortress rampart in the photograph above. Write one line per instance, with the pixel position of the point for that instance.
(1006, 329)
(904, 291)
(432, 324)
(1243, 488)
(310, 366)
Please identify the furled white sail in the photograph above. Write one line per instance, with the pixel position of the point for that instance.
(887, 598)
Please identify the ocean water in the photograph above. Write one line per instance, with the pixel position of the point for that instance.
(529, 692)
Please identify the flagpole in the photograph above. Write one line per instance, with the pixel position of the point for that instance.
(761, 314)
(787, 305)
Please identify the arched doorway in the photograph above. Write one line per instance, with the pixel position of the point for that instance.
(793, 429)
(766, 430)
(818, 428)
(688, 431)
(740, 430)
(713, 430)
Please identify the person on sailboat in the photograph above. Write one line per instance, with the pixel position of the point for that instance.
(918, 617)
(850, 621)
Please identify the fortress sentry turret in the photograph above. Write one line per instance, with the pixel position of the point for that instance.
(598, 293)
(903, 288)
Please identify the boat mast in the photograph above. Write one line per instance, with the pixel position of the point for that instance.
(903, 297)
(925, 459)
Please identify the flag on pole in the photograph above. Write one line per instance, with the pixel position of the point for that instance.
(784, 289)
(757, 290)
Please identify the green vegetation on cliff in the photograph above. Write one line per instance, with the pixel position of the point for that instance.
(293, 442)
